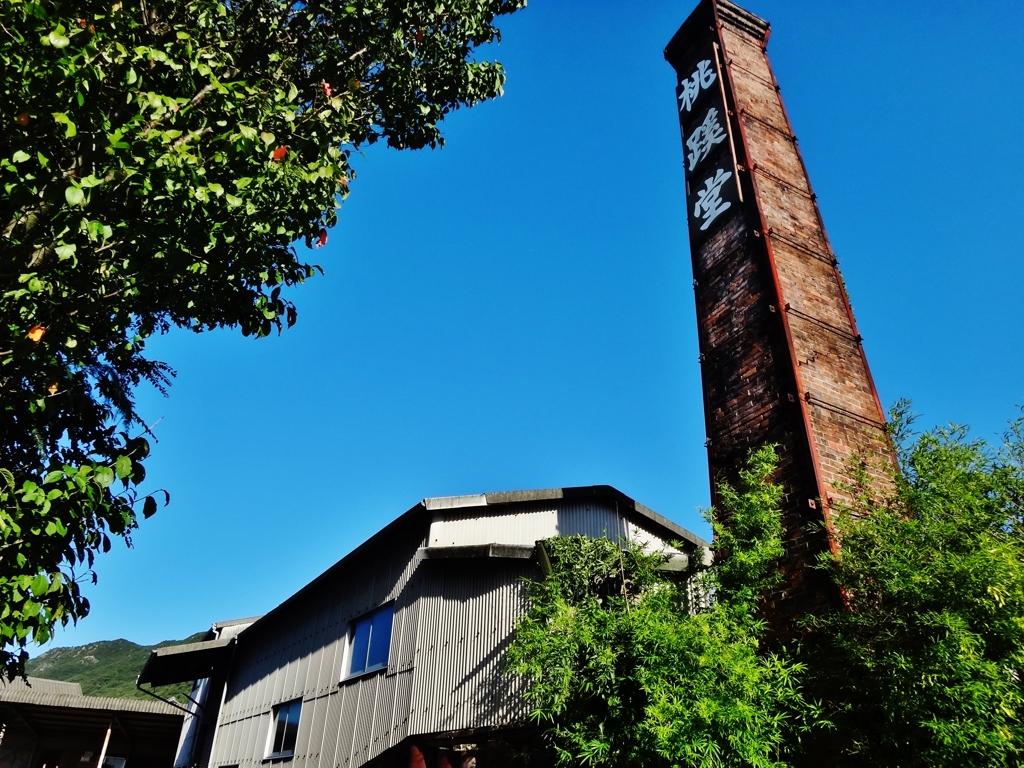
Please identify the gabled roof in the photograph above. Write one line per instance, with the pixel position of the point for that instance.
(194, 661)
(39, 685)
(496, 503)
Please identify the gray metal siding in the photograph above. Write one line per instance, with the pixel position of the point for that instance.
(453, 621)
(300, 654)
(589, 519)
(640, 534)
(525, 524)
(468, 611)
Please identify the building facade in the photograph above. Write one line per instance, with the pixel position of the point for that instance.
(394, 656)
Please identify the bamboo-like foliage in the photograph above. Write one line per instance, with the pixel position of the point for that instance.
(925, 669)
(622, 671)
(921, 666)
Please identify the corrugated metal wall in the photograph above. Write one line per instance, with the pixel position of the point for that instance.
(300, 652)
(525, 524)
(468, 612)
(453, 620)
(640, 534)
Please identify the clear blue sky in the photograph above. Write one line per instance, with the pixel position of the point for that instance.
(515, 311)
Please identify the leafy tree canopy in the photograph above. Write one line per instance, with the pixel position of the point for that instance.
(925, 668)
(627, 665)
(159, 161)
(922, 667)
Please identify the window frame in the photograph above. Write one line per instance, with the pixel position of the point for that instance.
(354, 625)
(275, 715)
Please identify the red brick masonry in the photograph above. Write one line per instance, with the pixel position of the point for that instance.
(782, 361)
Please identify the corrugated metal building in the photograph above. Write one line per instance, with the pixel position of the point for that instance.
(395, 654)
(50, 723)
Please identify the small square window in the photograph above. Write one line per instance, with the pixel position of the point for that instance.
(371, 641)
(284, 729)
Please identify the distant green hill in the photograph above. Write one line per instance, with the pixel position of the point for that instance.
(106, 668)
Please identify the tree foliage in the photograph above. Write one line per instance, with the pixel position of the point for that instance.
(624, 669)
(159, 160)
(921, 667)
(924, 670)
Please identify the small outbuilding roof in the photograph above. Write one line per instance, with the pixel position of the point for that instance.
(52, 710)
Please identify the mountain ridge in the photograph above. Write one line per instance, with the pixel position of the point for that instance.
(107, 667)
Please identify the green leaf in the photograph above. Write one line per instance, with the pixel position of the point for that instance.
(52, 477)
(123, 467)
(103, 476)
(69, 127)
(58, 40)
(66, 251)
(233, 201)
(20, 157)
(267, 137)
(74, 195)
(149, 507)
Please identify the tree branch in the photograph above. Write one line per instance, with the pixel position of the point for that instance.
(191, 135)
(200, 95)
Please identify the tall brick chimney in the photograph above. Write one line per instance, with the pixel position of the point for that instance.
(781, 359)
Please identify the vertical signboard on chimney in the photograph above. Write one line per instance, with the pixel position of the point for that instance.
(712, 179)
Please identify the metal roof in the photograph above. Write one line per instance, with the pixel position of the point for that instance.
(494, 503)
(77, 701)
(184, 663)
(221, 625)
(148, 730)
(40, 685)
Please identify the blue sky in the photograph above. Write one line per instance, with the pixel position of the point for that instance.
(515, 311)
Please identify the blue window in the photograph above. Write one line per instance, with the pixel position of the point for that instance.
(284, 729)
(371, 641)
